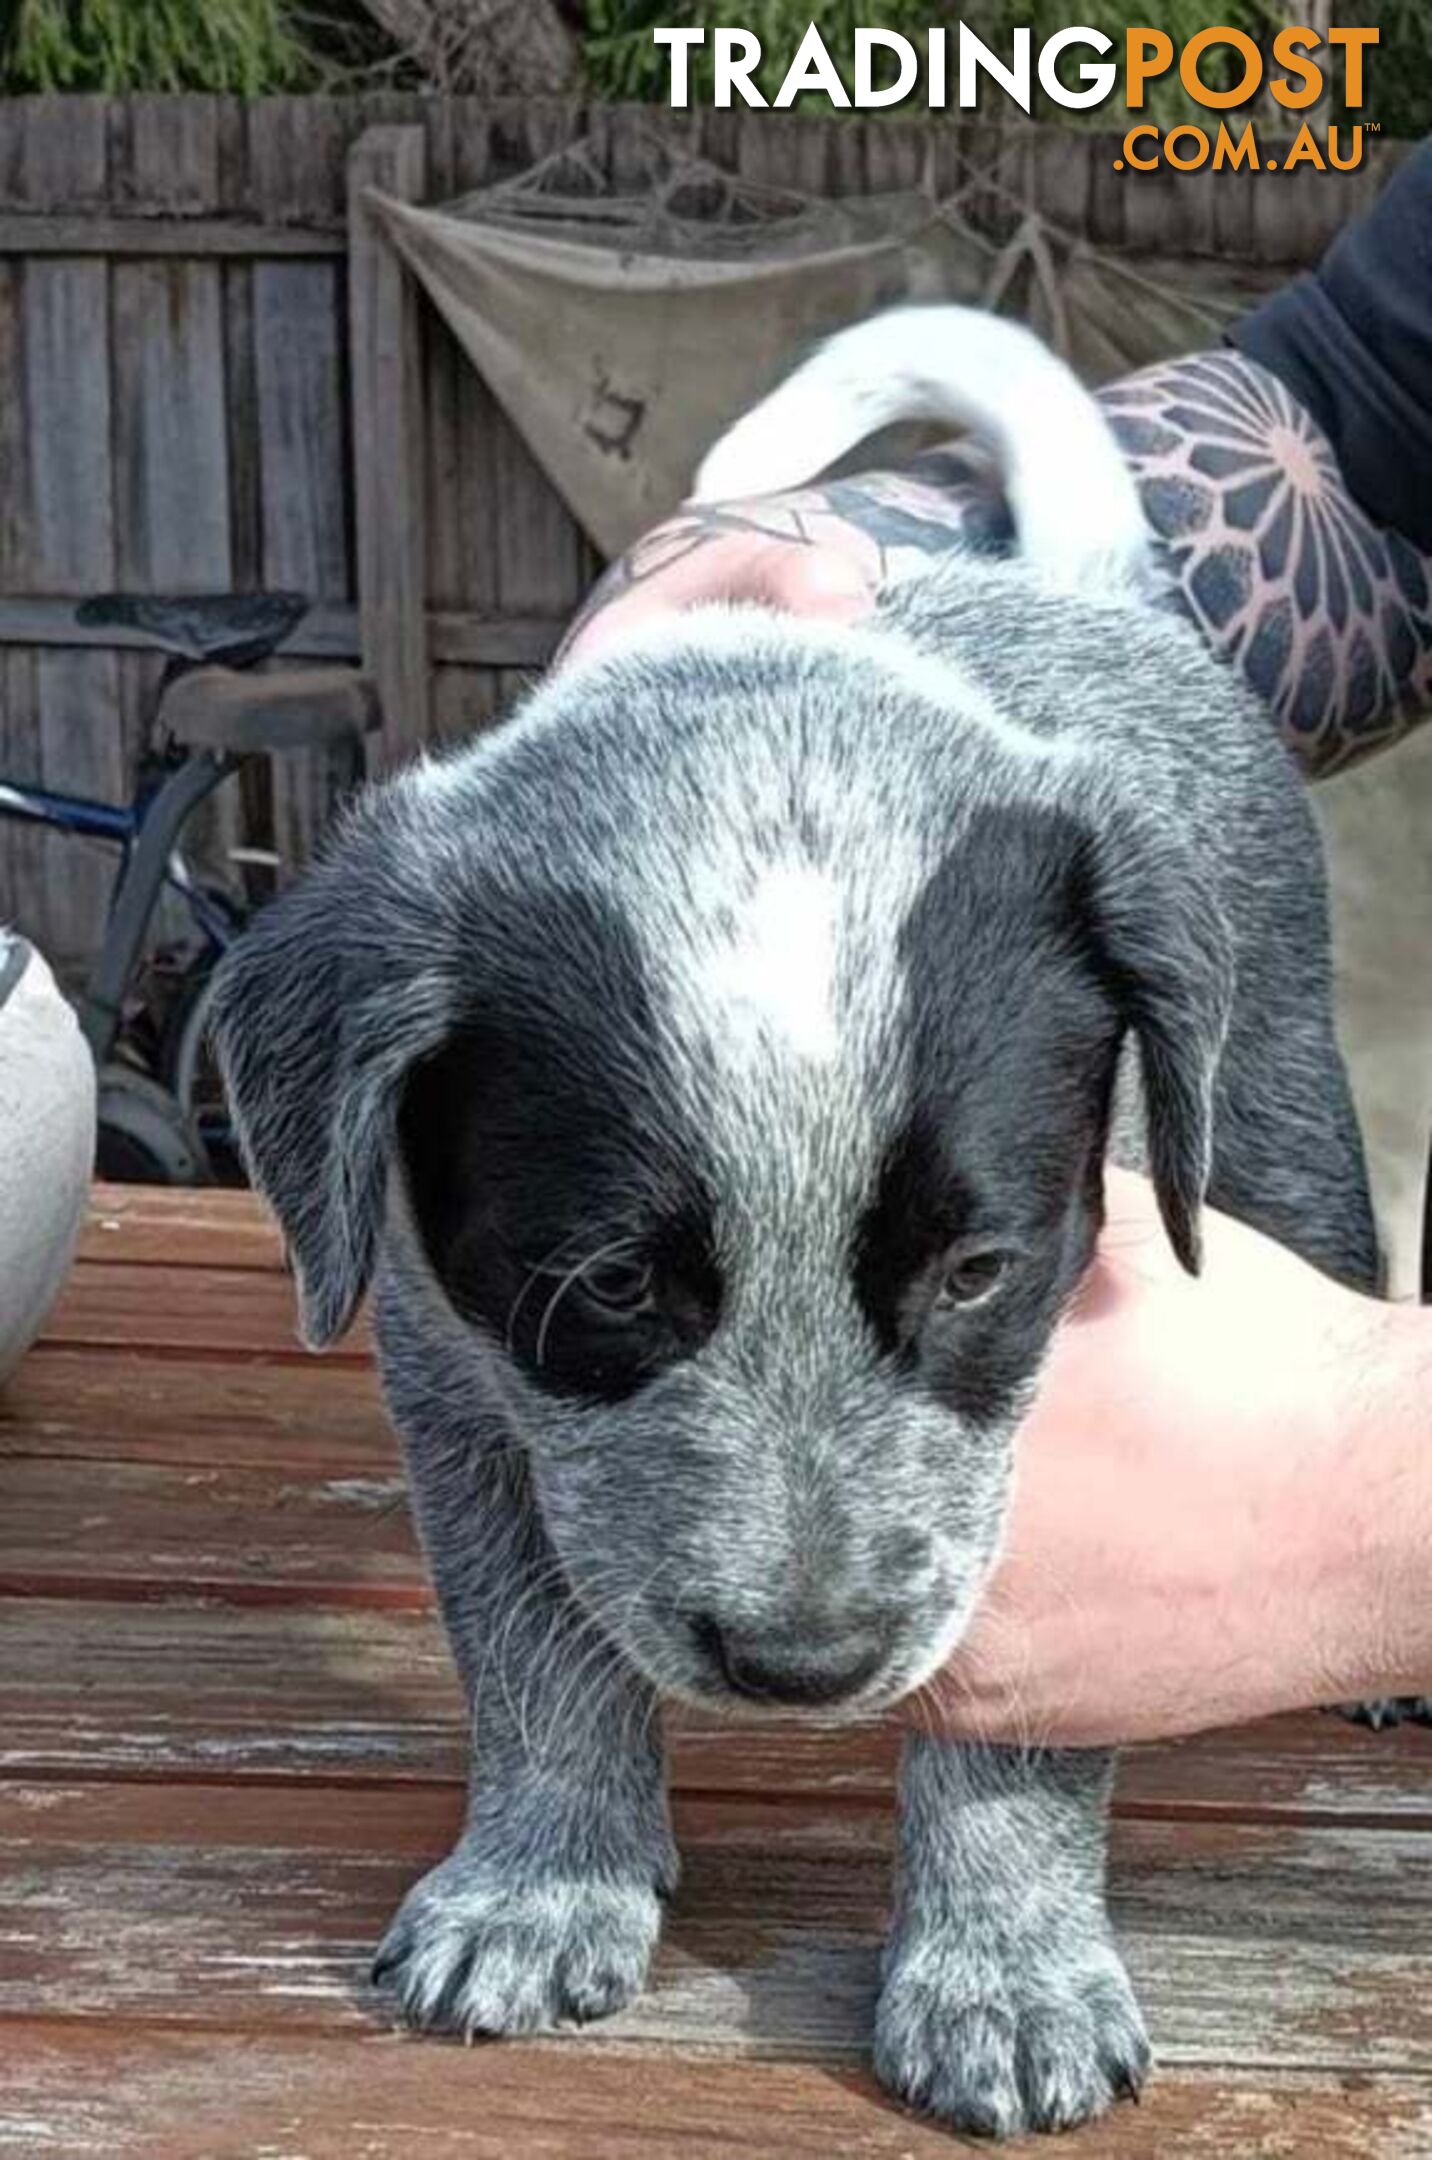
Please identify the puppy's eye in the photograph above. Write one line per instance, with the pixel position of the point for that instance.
(971, 1277)
(619, 1286)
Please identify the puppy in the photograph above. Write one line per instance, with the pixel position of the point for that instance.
(714, 1071)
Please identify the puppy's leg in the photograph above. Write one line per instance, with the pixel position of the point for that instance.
(1005, 2005)
(548, 1908)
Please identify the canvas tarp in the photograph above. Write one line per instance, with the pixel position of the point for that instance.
(622, 334)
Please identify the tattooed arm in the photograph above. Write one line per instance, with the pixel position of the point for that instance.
(1289, 483)
(1327, 614)
(825, 550)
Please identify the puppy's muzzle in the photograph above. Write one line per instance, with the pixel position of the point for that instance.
(802, 1668)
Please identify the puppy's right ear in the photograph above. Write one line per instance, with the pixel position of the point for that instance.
(1166, 952)
(319, 1011)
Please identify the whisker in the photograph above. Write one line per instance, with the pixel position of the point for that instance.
(602, 1252)
(544, 1266)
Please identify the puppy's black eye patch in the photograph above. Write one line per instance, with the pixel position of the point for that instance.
(601, 1325)
(915, 1211)
(563, 1209)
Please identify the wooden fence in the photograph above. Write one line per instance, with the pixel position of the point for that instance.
(176, 408)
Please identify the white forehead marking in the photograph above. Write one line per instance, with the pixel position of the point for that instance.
(776, 978)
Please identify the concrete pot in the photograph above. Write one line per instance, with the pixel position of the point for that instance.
(47, 1129)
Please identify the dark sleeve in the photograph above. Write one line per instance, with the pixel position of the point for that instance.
(1353, 342)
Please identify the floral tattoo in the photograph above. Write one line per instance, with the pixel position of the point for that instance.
(1328, 615)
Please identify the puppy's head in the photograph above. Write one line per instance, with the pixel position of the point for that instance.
(752, 1127)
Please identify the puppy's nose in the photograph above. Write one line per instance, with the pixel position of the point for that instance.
(796, 1669)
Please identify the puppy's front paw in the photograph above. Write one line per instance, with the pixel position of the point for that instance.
(997, 2045)
(473, 1951)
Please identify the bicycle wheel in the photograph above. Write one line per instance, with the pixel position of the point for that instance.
(186, 1065)
(144, 1138)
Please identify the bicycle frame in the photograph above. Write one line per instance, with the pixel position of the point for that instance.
(146, 831)
(70, 813)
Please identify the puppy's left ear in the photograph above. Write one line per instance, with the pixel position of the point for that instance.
(1165, 951)
(319, 1012)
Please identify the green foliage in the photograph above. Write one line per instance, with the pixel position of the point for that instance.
(255, 46)
(1400, 69)
(243, 46)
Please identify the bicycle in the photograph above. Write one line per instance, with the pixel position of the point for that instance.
(161, 1113)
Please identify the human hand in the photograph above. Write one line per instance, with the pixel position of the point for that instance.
(728, 553)
(1200, 1531)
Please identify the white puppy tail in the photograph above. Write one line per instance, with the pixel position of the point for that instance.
(1075, 506)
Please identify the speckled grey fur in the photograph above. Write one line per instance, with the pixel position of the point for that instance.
(670, 778)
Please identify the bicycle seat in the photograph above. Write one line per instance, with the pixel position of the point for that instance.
(212, 708)
(232, 629)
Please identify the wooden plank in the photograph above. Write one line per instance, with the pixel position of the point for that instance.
(466, 702)
(82, 751)
(170, 448)
(249, 1694)
(511, 686)
(241, 422)
(1152, 206)
(326, 632)
(172, 166)
(313, 1418)
(38, 177)
(72, 551)
(295, 468)
(254, 815)
(171, 438)
(998, 159)
(263, 1916)
(15, 510)
(66, 350)
(12, 146)
(342, 1696)
(309, 1418)
(461, 412)
(1108, 194)
(303, 454)
(459, 637)
(204, 1226)
(383, 1823)
(1284, 220)
(63, 161)
(297, 152)
(243, 1536)
(388, 437)
(1059, 177)
(544, 564)
(234, 1311)
(299, 366)
(165, 2095)
(467, 639)
(23, 850)
(1311, 1769)
(1234, 205)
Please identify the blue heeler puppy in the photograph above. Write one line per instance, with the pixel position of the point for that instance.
(714, 1071)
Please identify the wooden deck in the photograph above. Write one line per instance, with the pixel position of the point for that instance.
(230, 1739)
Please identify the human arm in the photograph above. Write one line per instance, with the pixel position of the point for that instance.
(1222, 1507)
(1287, 483)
